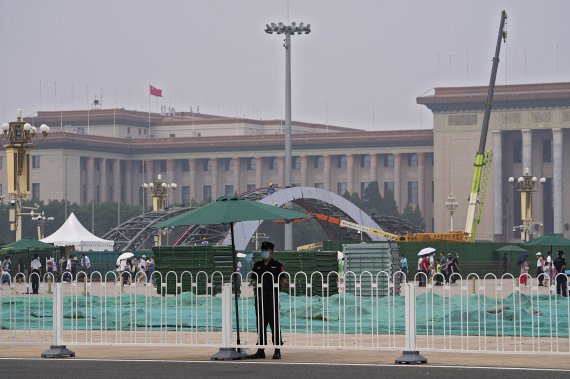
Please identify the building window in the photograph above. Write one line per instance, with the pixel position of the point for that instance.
(96, 163)
(413, 160)
(228, 164)
(365, 161)
(251, 187)
(388, 188)
(295, 163)
(320, 185)
(413, 192)
(162, 165)
(206, 165)
(517, 151)
(547, 150)
(172, 135)
(207, 193)
(389, 160)
(185, 195)
(341, 188)
(251, 164)
(129, 130)
(341, 161)
(184, 165)
(272, 163)
(228, 189)
(140, 132)
(318, 162)
(1, 162)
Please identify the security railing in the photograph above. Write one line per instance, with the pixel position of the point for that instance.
(365, 311)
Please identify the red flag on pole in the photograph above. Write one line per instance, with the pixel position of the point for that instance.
(155, 91)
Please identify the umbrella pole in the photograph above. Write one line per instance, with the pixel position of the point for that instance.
(235, 282)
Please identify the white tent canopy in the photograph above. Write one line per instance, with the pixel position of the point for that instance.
(72, 233)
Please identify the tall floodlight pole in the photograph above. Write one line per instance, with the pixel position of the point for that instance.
(288, 30)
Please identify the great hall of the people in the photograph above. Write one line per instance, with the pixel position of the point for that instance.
(107, 154)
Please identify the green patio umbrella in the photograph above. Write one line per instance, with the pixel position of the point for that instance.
(549, 241)
(511, 249)
(228, 210)
(27, 244)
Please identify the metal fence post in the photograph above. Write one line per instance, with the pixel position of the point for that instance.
(410, 355)
(226, 352)
(58, 349)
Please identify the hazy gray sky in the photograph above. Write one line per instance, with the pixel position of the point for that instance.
(362, 66)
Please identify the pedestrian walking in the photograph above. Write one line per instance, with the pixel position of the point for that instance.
(35, 266)
(540, 268)
(561, 279)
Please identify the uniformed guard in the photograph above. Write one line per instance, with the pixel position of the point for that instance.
(266, 273)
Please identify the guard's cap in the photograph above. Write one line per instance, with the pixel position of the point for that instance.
(266, 245)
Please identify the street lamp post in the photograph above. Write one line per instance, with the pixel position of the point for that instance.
(288, 30)
(526, 185)
(41, 221)
(451, 204)
(159, 190)
(20, 136)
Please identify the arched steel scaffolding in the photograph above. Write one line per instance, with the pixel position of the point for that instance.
(137, 233)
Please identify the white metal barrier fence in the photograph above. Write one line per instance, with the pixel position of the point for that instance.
(473, 314)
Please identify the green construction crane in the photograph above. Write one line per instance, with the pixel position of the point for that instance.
(482, 159)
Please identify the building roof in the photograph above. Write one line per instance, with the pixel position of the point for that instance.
(249, 143)
(505, 96)
(121, 116)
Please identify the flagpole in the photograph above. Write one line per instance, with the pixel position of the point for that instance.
(149, 110)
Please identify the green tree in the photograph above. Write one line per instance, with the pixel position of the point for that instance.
(388, 206)
(414, 215)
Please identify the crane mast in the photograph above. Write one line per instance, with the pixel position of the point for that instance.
(480, 158)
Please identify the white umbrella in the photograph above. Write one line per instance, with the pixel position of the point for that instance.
(125, 256)
(426, 251)
(241, 255)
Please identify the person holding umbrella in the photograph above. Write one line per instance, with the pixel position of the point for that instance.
(267, 272)
(424, 265)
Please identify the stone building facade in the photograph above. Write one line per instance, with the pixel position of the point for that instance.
(106, 155)
(527, 130)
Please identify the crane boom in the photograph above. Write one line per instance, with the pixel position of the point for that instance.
(480, 162)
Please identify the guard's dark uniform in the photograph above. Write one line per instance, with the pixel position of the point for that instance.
(267, 300)
(560, 265)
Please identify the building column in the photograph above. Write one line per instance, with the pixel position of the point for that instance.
(129, 182)
(259, 172)
(327, 172)
(498, 184)
(172, 196)
(350, 173)
(557, 180)
(149, 171)
(89, 180)
(214, 167)
(281, 171)
(103, 182)
(236, 162)
(527, 150)
(304, 171)
(421, 182)
(373, 167)
(116, 193)
(193, 185)
(397, 188)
